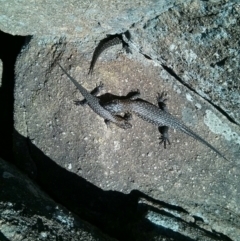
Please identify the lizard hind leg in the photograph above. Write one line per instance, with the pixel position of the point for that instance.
(164, 135)
(127, 116)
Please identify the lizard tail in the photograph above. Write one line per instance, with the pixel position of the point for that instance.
(189, 132)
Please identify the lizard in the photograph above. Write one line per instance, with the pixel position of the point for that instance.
(111, 40)
(158, 116)
(94, 104)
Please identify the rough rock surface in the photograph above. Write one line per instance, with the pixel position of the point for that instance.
(186, 174)
(198, 40)
(27, 213)
(190, 50)
(81, 20)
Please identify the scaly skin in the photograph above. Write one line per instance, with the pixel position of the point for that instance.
(154, 115)
(93, 102)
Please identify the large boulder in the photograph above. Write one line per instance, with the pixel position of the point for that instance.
(189, 50)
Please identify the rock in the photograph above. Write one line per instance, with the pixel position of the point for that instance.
(189, 50)
(186, 174)
(27, 213)
(197, 41)
(79, 20)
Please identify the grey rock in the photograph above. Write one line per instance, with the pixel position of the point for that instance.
(27, 213)
(186, 174)
(76, 19)
(190, 50)
(199, 44)
(197, 40)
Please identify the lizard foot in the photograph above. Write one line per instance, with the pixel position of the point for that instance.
(164, 140)
(97, 89)
(100, 86)
(164, 136)
(80, 102)
(161, 100)
(128, 116)
(161, 97)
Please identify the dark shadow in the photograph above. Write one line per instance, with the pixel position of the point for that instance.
(119, 215)
(108, 210)
(107, 97)
(10, 47)
(3, 237)
(220, 63)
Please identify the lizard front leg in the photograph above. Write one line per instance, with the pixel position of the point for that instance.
(134, 94)
(162, 101)
(163, 129)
